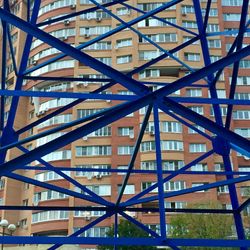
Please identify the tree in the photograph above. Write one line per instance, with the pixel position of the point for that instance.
(203, 226)
(127, 229)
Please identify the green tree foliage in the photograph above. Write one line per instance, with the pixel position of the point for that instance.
(127, 229)
(203, 226)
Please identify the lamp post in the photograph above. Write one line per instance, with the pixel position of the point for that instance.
(11, 228)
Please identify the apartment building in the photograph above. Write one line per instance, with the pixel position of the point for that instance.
(111, 147)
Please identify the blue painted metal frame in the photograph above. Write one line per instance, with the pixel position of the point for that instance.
(143, 96)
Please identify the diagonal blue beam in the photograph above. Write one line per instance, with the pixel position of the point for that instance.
(171, 176)
(244, 205)
(73, 135)
(134, 155)
(98, 198)
(63, 127)
(159, 173)
(188, 190)
(159, 19)
(50, 187)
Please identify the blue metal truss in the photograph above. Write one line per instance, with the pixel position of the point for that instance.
(223, 141)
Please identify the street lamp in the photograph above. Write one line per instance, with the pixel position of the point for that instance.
(11, 228)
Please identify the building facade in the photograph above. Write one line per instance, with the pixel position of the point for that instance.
(111, 147)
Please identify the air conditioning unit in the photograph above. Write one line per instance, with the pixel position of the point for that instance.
(128, 12)
(25, 227)
(34, 62)
(131, 136)
(246, 158)
(151, 133)
(18, 224)
(64, 38)
(87, 218)
(116, 47)
(85, 84)
(79, 83)
(108, 100)
(184, 14)
(85, 138)
(87, 35)
(98, 19)
(98, 176)
(72, 6)
(66, 22)
(88, 17)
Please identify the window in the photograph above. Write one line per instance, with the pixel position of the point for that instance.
(129, 189)
(105, 131)
(149, 54)
(172, 145)
(87, 214)
(189, 24)
(245, 191)
(213, 28)
(102, 190)
(222, 109)
(2, 183)
(56, 120)
(197, 109)
(219, 167)
(94, 232)
(93, 150)
(149, 73)
(231, 17)
(48, 195)
(199, 167)
(185, 9)
(223, 189)
(23, 223)
(150, 22)
(99, 46)
(191, 131)
(95, 15)
(25, 202)
(148, 146)
(171, 127)
(194, 92)
(126, 131)
(197, 184)
(242, 96)
(175, 204)
(124, 59)
(58, 155)
(86, 112)
(146, 185)
(244, 169)
(174, 185)
(192, 56)
(172, 165)
(93, 173)
(216, 43)
(123, 43)
(159, 38)
(98, 30)
(232, 2)
(245, 132)
(197, 148)
(122, 11)
(49, 215)
(125, 150)
(241, 114)
(50, 176)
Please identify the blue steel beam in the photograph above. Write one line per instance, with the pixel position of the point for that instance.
(123, 241)
(121, 209)
(188, 190)
(159, 173)
(134, 154)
